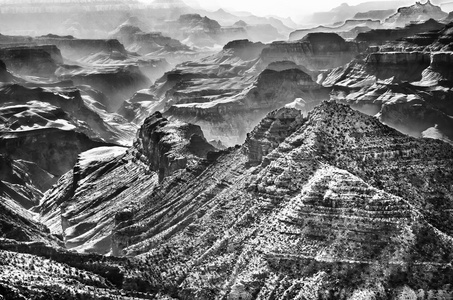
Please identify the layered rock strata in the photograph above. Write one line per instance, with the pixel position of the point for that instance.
(334, 201)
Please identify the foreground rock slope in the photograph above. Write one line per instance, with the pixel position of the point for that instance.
(335, 201)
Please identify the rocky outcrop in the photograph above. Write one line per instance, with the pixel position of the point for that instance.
(168, 147)
(316, 51)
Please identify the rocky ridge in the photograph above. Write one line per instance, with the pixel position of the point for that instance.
(294, 195)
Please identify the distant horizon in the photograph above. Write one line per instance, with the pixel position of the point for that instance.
(285, 8)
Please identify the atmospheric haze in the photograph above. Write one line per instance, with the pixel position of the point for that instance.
(283, 8)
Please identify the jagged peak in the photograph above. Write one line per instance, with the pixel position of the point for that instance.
(169, 146)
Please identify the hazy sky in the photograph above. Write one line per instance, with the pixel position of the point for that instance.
(283, 8)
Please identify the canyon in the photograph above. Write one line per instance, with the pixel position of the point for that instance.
(167, 151)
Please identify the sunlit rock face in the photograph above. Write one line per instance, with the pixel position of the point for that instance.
(417, 12)
(316, 51)
(306, 204)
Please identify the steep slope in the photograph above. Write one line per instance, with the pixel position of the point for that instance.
(336, 201)
(161, 149)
